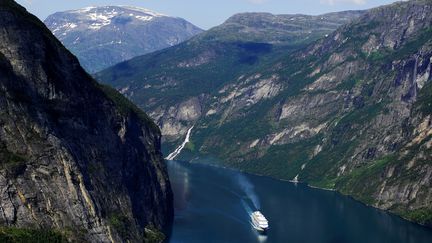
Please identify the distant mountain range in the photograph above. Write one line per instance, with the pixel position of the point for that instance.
(283, 29)
(103, 36)
(342, 104)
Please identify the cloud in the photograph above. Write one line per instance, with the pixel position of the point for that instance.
(333, 2)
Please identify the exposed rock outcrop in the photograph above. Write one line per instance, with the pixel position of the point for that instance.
(74, 156)
(347, 112)
(211, 60)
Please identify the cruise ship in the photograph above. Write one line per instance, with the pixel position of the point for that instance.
(259, 222)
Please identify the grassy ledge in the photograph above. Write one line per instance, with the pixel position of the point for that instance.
(12, 235)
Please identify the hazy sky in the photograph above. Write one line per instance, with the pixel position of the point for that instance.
(207, 13)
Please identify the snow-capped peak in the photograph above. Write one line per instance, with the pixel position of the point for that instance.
(94, 18)
(143, 10)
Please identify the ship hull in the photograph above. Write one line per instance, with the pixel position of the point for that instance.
(259, 222)
(259, 229)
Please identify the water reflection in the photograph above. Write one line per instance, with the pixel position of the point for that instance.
(210, 206)
(262, 238)
(180, 184)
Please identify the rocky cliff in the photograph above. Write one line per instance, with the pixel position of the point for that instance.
(103, 36)
(349, 112)
(75, 157)
(172, 84)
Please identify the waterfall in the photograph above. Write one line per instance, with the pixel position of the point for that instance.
(178, 150)
(295, 180)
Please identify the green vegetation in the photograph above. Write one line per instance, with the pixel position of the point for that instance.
(224, 62)
(153, 235)
(363, 181)
(17, 235)
(409, 48)
(366, 113)
(270, 28)
(13, 163)
(379, 56)
(8, 158)
(348, 84)
(422, 216)
(284, 161)
(412, 46)
(190, 146)
(369, 170)
(120, 223)
(424, 101)
(215, 58)
(366, 91)
(126, 107)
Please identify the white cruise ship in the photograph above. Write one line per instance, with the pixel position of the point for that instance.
(259, 222)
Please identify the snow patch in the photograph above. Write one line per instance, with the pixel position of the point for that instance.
(65, 27)
(143, 10)
(101, 20)
(144, 18)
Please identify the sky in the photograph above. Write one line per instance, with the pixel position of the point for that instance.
(207, 13)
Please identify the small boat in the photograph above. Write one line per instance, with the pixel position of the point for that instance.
(259, 222)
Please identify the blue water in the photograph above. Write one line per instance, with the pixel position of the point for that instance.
(211, 205)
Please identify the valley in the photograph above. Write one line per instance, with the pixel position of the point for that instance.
(122, 124)
(342, 111)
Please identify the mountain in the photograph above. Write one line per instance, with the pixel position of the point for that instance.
(172, 83)
(78, 161)
(349, 112)
(279, 29)
(103, 36)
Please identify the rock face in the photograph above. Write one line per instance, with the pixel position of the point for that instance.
(74, 156)
(211, 60)
(103, 36)
(350, 111)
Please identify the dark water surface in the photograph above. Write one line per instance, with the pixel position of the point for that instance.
(211, 205)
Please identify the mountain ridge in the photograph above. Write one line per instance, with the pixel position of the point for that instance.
(105, 35)
(337, 113)
(278, 29)
(202, 58)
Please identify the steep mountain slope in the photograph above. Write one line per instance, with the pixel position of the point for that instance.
(173, 83)
(75, 157)
(349, 112)
(103, 36)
